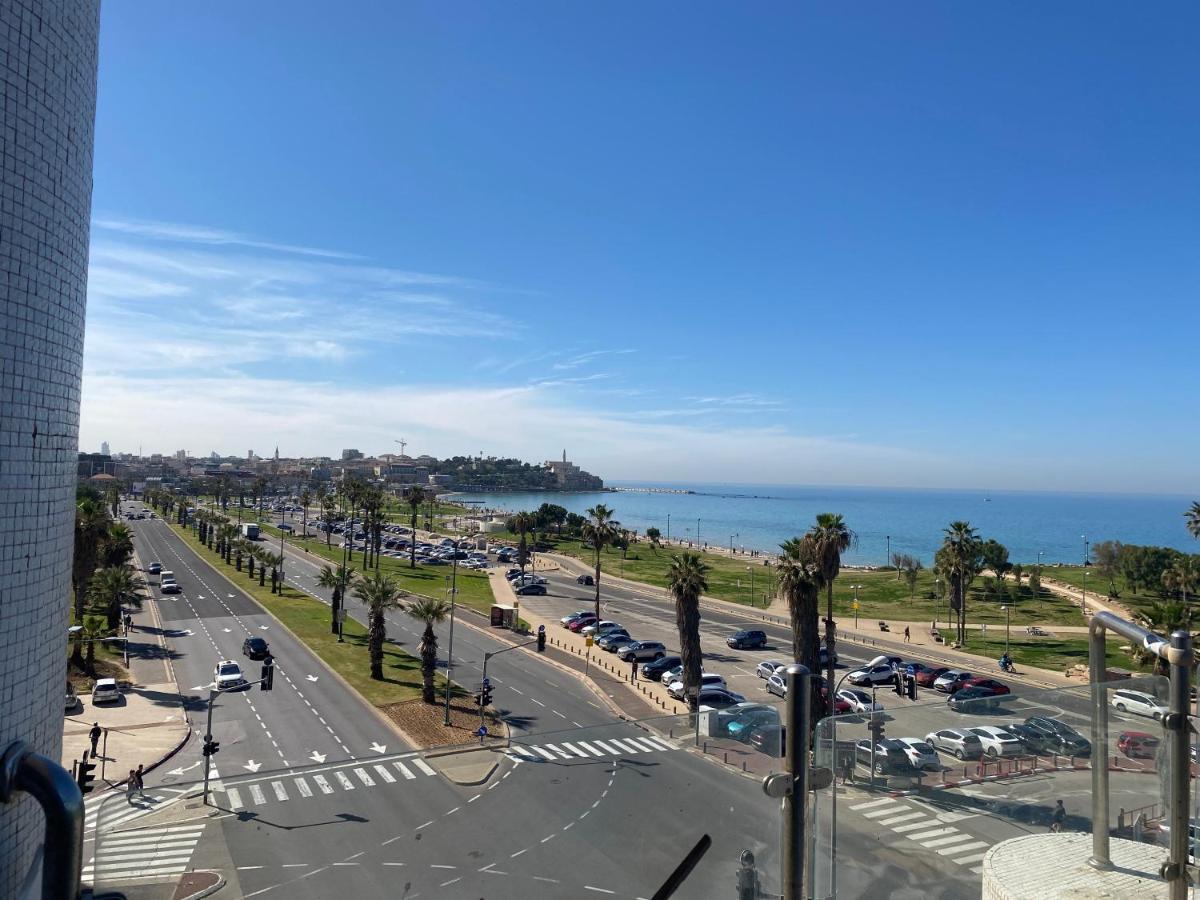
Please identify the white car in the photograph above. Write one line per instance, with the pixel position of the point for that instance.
(600, 629)
(860, 701)
(228, 676)
(672, 675)
(1139, 703)
(105, 690)
(951, 681)
(879, 674)
(707, 680)
(768, 668)
(777, 685)
(996, 741)
(921, 753)
(169, 586)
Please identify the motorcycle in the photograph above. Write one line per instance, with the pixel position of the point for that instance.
(1006, 665)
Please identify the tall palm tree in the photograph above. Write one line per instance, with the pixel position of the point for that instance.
(111, 588)
(961, 557)
(328, 511)
(94, 629)
(333, 579)
(800, 583)
(1162, 618)
(1193, 520)
(116, 545)
(305, 499)
(599, 531)
(91, 524)
(431, 611)
(523, 523)
(687, 581)
(414, 496)
(372, 501)
(379, 593)
(828, 539)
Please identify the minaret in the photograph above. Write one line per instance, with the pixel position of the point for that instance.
(564, 456)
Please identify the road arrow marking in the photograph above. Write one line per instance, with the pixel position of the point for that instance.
(317, 757)
(230, 596)
(253, 766)
(379, 748)
(312, 677)
(181, 769)
(264, 627)
(227, 630)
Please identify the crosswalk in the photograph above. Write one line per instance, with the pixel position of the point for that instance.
(933, 832)
(285, 788)
(148, 853)
(116, 809)
(591, 748)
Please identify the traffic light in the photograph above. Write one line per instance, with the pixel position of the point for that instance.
(485, 693)
(541, 639)
(875, 726)
(84, 776)
(268, 674)
(211, 747)
(912, 689)
(899, 686)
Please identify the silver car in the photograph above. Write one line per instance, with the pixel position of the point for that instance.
(671, 675)
(642, 650)
(962, 744)
(768, 668)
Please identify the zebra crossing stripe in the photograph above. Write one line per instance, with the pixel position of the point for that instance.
(871, 804)
(302, 787)
(589, 748)
(385, 774)
(558, 752)
(344, 779)
(280, 793)
(967, 860)
(932, 833)
(322, 784)
(907, 817)
(574, 749)
(523, 750)
(403, 769)
(975, 857)
(884, 811)
(659, 742)
(952, 839)
(913, 826)
(420, 764)
(545, 753)
(606, 748)
(644, 744)
(364, 778)
(623, 746)
(235, 799)
(256, 794)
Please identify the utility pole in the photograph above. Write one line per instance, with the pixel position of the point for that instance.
(450, 646)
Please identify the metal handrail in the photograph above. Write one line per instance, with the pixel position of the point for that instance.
(1177, 652)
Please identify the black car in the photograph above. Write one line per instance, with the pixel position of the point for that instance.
(655, 669)
(255, 648)
(585, 579)
(974, 699)
(1059, 736)
(747, 639)
(531, 589)
(1033, 739)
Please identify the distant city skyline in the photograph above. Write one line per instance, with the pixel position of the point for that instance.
(889, 246)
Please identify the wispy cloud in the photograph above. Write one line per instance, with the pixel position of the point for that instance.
(735, 400)
(201, 234)
(581, 359)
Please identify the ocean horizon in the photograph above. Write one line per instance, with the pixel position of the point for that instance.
(761, 516)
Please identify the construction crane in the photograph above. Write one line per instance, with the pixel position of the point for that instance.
(403, 443)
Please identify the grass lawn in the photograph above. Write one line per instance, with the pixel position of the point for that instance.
(474, 588)
(309, 621)
(880, 595)
(1098, 583)
(1054, 653)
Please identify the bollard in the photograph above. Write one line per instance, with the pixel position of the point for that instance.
(726, 756)
(743, 765)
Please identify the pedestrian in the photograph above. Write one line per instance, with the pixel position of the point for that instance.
(139, 775)
(907, 636)
(128, 622)
(94, 734)
(130, 786)
(847, 769)
(1058, 817)
(633, 667)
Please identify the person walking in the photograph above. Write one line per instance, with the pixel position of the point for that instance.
(128, 623)
(139, 775)
(847, 769)
(130, 786)
(1058, 817)
(633, 665)
(94, 734)
(907, 635)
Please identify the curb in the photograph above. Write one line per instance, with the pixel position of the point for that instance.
(203, 892)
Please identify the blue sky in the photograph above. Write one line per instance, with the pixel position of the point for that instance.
(932, 244)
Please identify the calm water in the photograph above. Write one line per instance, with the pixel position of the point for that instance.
(760, 516)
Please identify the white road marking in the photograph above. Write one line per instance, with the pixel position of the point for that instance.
(302, 787)
(323, 784)
(280, 793)
(403, 769)
(420, 764)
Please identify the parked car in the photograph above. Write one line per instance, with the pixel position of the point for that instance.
(654, 670)
(997, 742)
(886, 660)
(768, 668)
(585, 579)
(601, 628)
(671, 675)
(973, 699)
(255, 648)
(718, 698)
(642, 650)
(998, 688)
(1032, 739)
(707, 680)
(105, 690)
(868, 675)
(571, 617)
(743, 723)
(891, 757)
(860, 701)
(747, 639)
(769, 739)
(577, 625)
(615, 640)
(926, 677)
(1138, 744)
(914, 669)
(1139, 702)
(1060, 737)
(72, 701)
(957, 741)
(777, 685)
(154, 568)
(921, 754)
(526, 589)
(951, 680)
(228, 676)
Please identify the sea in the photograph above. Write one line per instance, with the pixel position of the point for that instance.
(912, 521)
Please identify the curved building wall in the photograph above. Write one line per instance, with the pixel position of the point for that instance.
(47, 111)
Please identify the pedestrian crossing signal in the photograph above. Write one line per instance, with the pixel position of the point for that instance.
(268, 674)
(211, 748)
(541, 639)
(84, 776)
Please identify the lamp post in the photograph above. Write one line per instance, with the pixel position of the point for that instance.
(450, 645)
(1007, 610)
(281, 560)
(731, 538)
(1040, 562)
(668, 529)
(1085, 549)
(937, 598)
(697, 532)
(889, 556)
(750, 569)
(856, 587)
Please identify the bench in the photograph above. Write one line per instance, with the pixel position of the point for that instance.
(937, 636)
(883, 626)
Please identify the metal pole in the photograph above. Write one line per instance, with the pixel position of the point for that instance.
(1180, 657)
(281, 559)
(104, 755)
(450, 647)
(668, 529)
(486, 657)
(207, 738)
(798, 713)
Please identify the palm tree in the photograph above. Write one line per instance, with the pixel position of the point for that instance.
(91, 524)
(961, 558)
(372, 502)
(94, 630)
(414, 497)
(653, 535)
(378, 592)
(328, 511)
(522, 523)
(799, 581)
(828, 539)
(116, 545)
(111, 588)
(687, 581)
(431, 611)
(1180, 578)
(334, 580)
(1193, 520)
(305, 500)
(599, 531)
(1162, 618)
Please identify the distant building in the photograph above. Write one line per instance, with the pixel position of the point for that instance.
(181, 455)
(569, 477)
(441, 480)
(104, 449)
(351, 454)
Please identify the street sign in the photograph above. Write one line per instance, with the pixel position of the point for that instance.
(854, 604)
(481, 731)
(590, 640)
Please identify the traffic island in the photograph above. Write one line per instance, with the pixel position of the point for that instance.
(1056, 867)
(424, 723)
(466, 766)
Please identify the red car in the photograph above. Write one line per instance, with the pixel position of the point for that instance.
(1137, 744)
(996, 687)
(581, 623)
(926, 677)
(840, 706)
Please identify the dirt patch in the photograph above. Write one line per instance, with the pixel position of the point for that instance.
(105, 668)
(423, 722)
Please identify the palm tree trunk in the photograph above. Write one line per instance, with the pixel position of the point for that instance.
(830, 638)
(687, 618)
(334, 607)
(428, 663)
(597, 585)
(375, 638)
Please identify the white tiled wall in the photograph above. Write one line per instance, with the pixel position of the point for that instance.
(47, 111)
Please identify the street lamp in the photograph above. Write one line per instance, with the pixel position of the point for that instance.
(856, 587)
(889, 556)
(1040, 562)
(450, 646)
(750, 569)
(668, 529)
(731, 539)
(937, 597)
(1007, 609)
